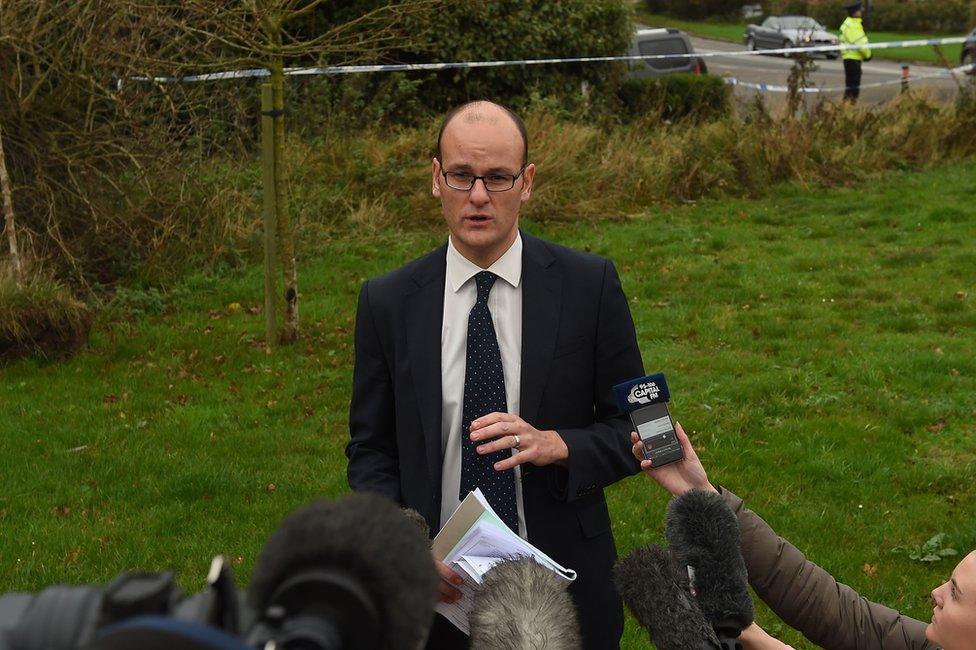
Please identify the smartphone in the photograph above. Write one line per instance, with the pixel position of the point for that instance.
(655, 427)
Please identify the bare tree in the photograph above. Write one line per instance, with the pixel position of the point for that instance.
(8, 215)
(258, 33)
(98, 163)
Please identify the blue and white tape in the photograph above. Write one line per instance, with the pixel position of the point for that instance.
(454, 65)
(939, 74)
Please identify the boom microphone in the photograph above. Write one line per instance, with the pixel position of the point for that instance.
(356, 562)
(661, 602)
(703, 534)
(521, 604)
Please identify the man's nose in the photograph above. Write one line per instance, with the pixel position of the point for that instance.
(479, 192)
(937, 596)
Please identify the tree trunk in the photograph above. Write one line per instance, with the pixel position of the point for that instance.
(286, 236)
(269, 215)
(8, 215)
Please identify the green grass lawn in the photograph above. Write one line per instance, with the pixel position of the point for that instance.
(820, 347)
(734, 32)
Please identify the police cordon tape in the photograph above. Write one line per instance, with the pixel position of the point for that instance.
(772, 88)
(455, 65)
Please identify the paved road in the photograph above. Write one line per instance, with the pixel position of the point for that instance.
(774, 70)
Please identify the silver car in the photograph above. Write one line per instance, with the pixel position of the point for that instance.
(789, 31)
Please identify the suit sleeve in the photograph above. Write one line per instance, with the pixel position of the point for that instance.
(600, 454)
(372, 448)
(809, 599)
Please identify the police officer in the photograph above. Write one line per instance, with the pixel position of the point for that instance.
(852, 33)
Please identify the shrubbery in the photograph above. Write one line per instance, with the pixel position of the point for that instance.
(98, 161)
(676, 96)
(697, 9)
(485, 31)
(40, 318)
(886, 15)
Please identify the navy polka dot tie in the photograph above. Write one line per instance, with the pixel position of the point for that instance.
(484, 393)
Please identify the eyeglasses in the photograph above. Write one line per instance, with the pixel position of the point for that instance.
(465, 181)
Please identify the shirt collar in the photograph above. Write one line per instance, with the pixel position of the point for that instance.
(508, 267)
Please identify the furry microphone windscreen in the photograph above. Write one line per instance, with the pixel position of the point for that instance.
(369, 537)
(418, 520)
(660, 601)
(703, 533)
(520, 605)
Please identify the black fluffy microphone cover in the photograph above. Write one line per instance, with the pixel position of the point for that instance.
(368, 536)
(703, 533)
(660, 601)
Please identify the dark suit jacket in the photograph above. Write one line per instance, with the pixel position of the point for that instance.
(578, 340)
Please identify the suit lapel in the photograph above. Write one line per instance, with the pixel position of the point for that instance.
(541, 301)
(424, 315)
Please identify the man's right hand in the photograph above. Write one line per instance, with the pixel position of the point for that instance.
(448, 593)
(678, 477)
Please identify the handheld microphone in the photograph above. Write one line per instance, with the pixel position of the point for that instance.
(643, 391)
(349, 572)
(660, 600)
(646, 400)
(521, 604)
(703, 535)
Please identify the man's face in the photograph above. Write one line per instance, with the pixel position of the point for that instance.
(953, 623)
(483, 224)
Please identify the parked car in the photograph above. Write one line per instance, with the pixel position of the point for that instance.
(789, 31)
(648, 42)
(968, 56)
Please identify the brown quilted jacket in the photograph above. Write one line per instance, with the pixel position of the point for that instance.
(810, 600)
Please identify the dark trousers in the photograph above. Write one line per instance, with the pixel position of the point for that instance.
(852, 79)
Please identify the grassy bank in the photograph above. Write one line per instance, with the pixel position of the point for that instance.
(819, 345)
(379, 179)
(734, 33)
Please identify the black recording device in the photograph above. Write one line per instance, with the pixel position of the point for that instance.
(703, 534)
(323, 581)
(660, 599)
(694, 596)
(646, 400)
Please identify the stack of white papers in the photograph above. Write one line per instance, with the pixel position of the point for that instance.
(474, 540)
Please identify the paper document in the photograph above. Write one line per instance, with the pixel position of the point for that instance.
(474, 540)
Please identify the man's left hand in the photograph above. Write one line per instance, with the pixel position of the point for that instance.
(499, 431)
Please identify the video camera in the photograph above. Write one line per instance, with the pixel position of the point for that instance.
(325, 580)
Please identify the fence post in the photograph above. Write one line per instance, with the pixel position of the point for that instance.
(269, 213)
(905, 74)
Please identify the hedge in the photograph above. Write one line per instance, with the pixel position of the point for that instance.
(697, 9)
(951, 16)
(677, 96)
(476, 31)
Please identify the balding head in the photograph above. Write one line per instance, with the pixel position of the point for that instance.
(484, 111)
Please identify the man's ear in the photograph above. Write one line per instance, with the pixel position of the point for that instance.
(528, 176)
(435, 172)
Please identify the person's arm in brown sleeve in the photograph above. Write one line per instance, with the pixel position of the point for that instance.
(809, 599)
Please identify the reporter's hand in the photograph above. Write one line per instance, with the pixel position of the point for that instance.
(678, 477)
(756, 638)
(448, 594)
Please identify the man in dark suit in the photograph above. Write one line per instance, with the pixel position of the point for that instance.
(490, 363)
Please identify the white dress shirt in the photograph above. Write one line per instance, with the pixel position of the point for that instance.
(505, 305)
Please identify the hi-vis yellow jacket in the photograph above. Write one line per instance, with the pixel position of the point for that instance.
(852, 33)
